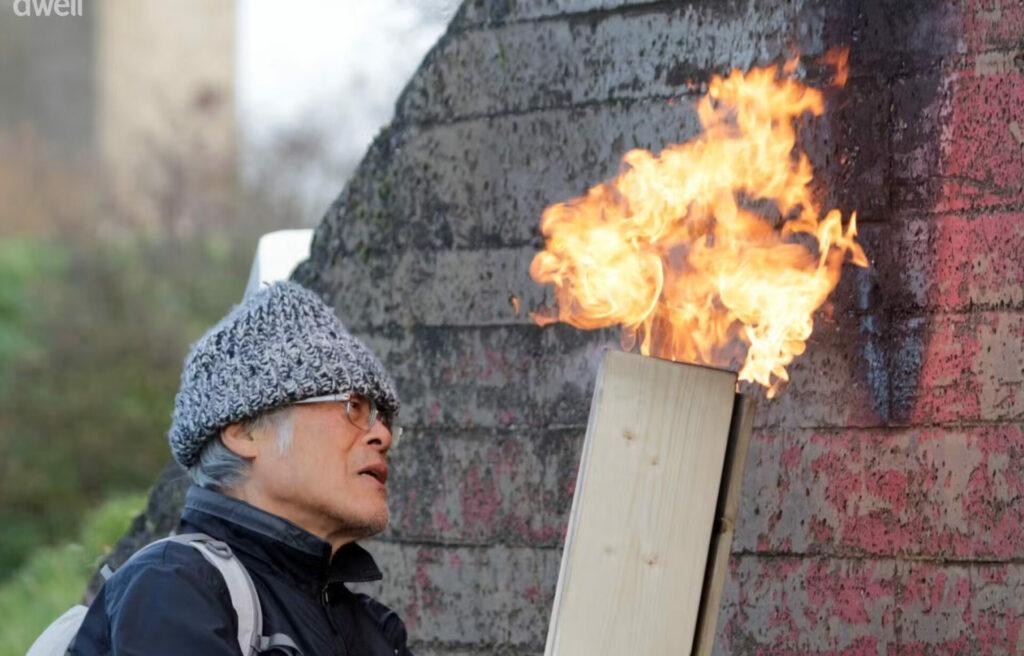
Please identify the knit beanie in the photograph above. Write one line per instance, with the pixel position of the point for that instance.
(280, 345)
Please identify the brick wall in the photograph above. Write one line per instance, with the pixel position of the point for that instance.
(882, 509)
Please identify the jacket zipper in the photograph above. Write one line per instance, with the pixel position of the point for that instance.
(326, 603)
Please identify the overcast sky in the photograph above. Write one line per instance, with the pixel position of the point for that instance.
(333, 67)
(299, 60)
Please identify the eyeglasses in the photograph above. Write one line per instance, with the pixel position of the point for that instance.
(362, 412)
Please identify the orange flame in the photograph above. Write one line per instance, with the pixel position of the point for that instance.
(681, 248)
(840, 59)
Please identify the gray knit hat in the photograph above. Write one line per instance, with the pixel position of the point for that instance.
(281, 345)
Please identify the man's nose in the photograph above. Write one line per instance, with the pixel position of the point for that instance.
(378, 436)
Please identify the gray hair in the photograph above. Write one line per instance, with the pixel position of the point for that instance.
(219, 468)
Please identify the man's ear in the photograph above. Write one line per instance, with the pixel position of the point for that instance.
(239, 441)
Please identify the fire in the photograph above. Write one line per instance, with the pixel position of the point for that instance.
(713, 249)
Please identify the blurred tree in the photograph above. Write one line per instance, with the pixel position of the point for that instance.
(95, 356)
(97, 311)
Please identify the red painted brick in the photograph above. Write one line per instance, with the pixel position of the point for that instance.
(918, 492)
(485, 487)
(972, 369)
(935, 369)
(960, 609)
(497, 595)
(971, 153)
(952, 263)
(988, 25)
(814, 607)
(805, 606)
(977, 261)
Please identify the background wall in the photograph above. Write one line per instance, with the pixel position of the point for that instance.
(882, 500)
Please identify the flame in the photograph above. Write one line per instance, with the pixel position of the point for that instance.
(840, 59)
(682, 250)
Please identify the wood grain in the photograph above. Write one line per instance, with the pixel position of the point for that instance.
(644, 508)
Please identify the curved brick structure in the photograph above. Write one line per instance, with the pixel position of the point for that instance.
(882, 509)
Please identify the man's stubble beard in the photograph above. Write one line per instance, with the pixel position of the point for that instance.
(361, 527)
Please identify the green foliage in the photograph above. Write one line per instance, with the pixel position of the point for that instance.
(92, 337)
(21, 261)
(102, 290)
(54, 578)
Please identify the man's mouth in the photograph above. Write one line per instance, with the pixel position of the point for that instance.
(377, 471)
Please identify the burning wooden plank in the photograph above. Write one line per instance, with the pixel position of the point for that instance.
(636, 563)
(713, 251)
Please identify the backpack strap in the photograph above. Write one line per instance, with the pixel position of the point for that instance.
(240, 587)
(244, 598)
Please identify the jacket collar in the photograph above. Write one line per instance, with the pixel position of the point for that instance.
(276, 542)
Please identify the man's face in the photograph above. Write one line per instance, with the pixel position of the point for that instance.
(332, 479)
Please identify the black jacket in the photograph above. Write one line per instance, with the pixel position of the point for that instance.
(171, 602)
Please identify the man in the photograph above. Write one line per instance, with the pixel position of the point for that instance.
(283, 422)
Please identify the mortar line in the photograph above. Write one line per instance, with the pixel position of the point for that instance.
(405, 120)
(742, 553)
(902, 558)
(429, 124)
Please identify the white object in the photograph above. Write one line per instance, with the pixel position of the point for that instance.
(57, 637)
(277, 255)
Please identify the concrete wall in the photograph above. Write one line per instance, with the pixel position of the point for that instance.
(145, 88)
(882, 509)
(46, 72)
(165, 96)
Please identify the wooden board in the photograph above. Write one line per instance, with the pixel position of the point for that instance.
(725, 523)
(644, 509)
